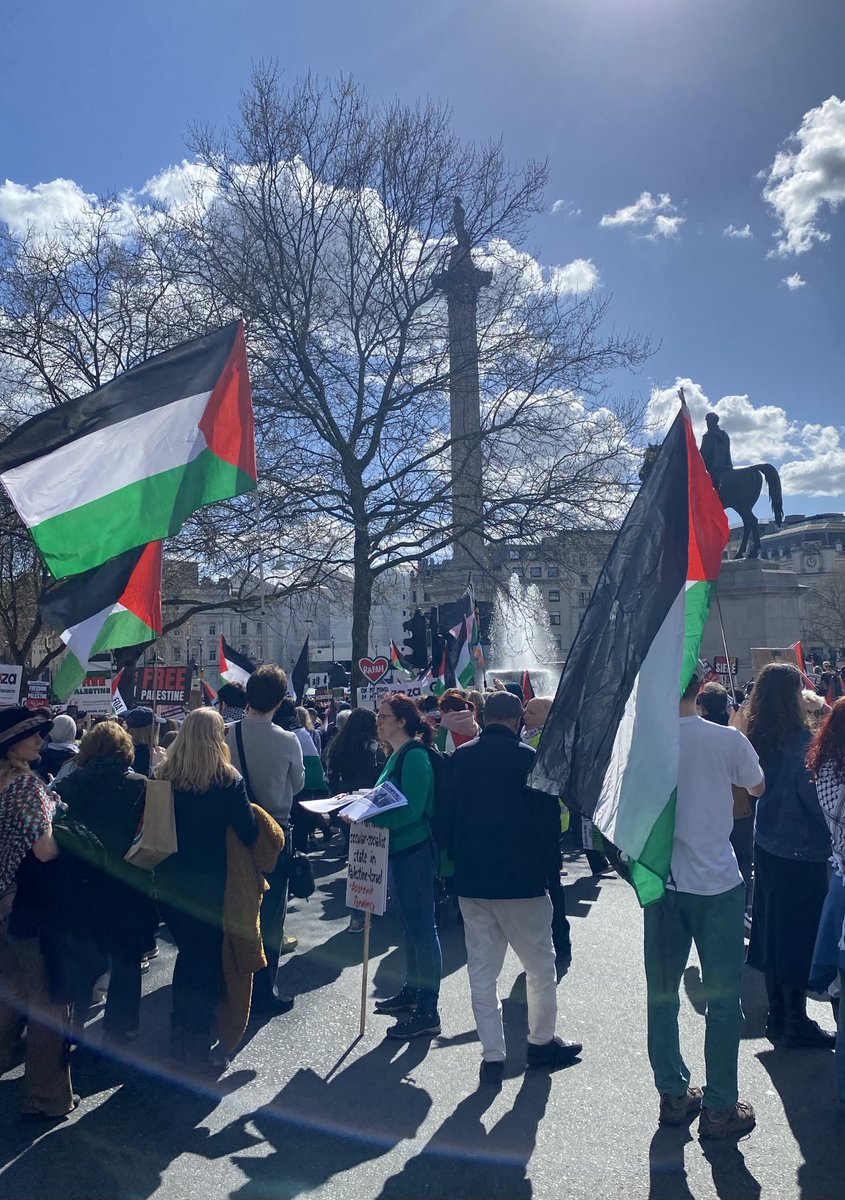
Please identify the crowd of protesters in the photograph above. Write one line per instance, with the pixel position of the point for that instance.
(760, 808)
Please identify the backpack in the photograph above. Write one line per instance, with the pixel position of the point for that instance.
(439, 769)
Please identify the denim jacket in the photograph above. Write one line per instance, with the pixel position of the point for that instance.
(789, 820)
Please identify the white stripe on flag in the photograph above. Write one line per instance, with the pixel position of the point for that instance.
(643, 768)
(107, 459)
(82, 637)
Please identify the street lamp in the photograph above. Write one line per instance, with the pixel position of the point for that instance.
(332, 647)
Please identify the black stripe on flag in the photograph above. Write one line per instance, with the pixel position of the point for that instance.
(81, 596)
(186, 370)
(641, 579)
(229, 656)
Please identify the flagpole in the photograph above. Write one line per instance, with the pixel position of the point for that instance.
(725, 645)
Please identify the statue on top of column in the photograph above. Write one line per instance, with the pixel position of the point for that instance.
(459, 222)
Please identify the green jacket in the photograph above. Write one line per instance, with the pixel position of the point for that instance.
(410, 825)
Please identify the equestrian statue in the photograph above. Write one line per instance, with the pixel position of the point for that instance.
(738, 487)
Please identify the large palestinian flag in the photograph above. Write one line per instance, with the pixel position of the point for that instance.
(118, 604)
(128, 463)
(610, 745)
(234, 666)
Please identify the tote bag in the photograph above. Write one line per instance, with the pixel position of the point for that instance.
(156, 838)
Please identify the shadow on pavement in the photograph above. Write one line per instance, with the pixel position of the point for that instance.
(464, 1161)
(318, 1128)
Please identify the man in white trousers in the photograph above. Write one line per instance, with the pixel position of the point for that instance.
(503, 839)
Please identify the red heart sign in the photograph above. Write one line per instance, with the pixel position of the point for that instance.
(374, 668)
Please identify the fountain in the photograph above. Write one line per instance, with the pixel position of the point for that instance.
(521, 638)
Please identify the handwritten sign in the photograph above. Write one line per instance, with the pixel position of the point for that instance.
(373, 669)
(366, 879)
(10, 683)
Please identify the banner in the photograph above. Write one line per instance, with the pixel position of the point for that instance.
(170, 686)
(761, 655)
(10, 683)
(366, 877)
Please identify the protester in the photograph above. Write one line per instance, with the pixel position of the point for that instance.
(457, 722)
(815, 709)
(233, 702)
(143, 725)
(791, 847)
(504, 842)
(476, 699)
(270, 760)
(209, 797)
(107, 797)
(412, 857)
(704, 903)
(712, 704)
(26, 839)
(306, 722)
(826, 759)
(534, 718)
(60, 748)
(303, 822)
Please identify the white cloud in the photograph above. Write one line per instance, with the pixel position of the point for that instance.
(806, 175)
(656, 212)
(809, 457)
(733, 232)
(581, 275)
(43, 207)
(177, 186)
(795, 281)
(565, 208)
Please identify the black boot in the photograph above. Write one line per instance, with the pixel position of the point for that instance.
(777, 1012)
(800, 1032)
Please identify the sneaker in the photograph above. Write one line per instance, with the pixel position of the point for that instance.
(289, 944)
(404, 1001)
(556, 1053)
(730, 1122)
(492, 1073)
(356, 925)
(808, 1036)
(676, 1110)
(419, 1024)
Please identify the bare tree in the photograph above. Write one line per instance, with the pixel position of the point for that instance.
(329, 225)
(824, 612)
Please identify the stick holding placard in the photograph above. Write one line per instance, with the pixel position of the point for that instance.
(363, 1022)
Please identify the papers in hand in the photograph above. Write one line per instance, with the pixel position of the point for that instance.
(360, 806)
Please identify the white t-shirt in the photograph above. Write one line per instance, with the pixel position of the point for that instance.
(712, 757)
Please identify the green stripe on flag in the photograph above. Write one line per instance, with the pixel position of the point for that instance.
(697, 601)
(651, 869)
(154, 508)
(71, 674)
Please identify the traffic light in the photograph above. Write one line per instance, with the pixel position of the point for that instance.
(416, 650)
(437, 640)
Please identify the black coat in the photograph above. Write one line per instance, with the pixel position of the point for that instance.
(355, 767)
(107, 798)
(503, 838)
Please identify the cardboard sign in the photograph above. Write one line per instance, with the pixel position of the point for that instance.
(37, 693)
(761, 655)
(366, 878)
(94, 694)
(10, 683)
(163, 685)
(374, 669)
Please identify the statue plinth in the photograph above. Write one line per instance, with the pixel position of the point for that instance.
(761, 606)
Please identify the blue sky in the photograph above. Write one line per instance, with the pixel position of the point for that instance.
(664, 117)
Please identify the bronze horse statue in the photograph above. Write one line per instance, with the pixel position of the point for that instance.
(739, 488)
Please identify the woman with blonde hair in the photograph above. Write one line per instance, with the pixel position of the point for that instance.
(209, 796)
(143, 726)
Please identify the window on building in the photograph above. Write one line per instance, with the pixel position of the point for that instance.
(556, 644)
(413, 601)
(554, 618)
(513, 555)
(177, 654)
(212, 630)
(243, 627)
(212, 654)
(426, 597)
(257, 626)
(536, 572)
(552, 572)
(554, 596)
(585, 581)
(583, 599)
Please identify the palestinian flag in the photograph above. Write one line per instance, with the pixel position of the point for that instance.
(209, 695)
(464, 666)
(234, 667)
(117, 604)
(610, 745)
(528, 692)
(396, 661)
(298, 678)
(128, 463)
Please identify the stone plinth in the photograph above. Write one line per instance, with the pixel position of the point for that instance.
(760, 605)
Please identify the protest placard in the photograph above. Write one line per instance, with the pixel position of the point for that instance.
(366, 878)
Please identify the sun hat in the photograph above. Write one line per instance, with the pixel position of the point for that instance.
(140, 718)
(19, 722)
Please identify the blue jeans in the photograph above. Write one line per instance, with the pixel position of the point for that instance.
(412, 877)
(840, 1042)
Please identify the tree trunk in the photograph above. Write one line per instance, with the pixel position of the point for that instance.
(362, 599)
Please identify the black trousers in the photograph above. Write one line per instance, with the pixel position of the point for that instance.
(273, 908)
(560, 924)
(198, 973)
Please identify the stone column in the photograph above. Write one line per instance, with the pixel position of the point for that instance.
(461, 284)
